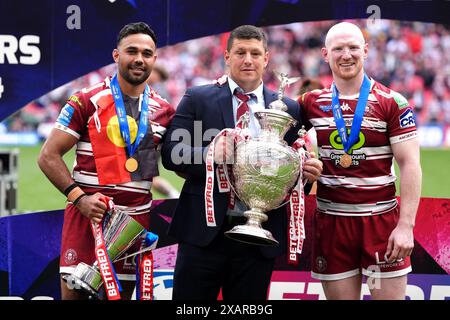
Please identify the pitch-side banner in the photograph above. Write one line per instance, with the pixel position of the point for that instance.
(30, 244)
(45, 44)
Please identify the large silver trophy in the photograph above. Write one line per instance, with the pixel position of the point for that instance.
(265, 170)
(120, 233)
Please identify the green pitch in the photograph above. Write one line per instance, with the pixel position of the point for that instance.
(36, 193)
(435, 173)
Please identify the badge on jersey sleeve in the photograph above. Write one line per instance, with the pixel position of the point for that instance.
(75, 99)
(407, 119)
(400, 100)
(66, 115)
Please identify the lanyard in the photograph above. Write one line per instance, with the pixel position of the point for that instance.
(122, 116)
(348, 142)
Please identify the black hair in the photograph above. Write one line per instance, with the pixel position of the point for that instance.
(134, 28)
(247, 32)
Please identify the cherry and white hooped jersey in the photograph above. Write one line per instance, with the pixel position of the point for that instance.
(79, 111)
(368, 186)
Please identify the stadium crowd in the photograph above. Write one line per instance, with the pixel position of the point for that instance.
(412, 58)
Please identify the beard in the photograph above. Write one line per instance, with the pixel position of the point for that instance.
(348, 74)
(127, 74)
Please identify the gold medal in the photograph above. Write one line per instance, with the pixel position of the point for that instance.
(345, 161)
(131, 165)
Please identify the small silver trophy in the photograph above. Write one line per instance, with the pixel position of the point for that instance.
(120, 233)
(265, 170)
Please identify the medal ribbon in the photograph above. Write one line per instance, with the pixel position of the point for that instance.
(122, 116)
(348, 142)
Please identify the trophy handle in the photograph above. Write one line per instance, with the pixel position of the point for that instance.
(150, 239)
(135, 253)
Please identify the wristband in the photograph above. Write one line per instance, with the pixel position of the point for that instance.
(74, 194)
(79, 198)
(70, 188)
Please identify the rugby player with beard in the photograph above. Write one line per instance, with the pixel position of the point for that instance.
(112, 160)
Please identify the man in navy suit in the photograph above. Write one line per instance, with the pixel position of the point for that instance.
(207, 261)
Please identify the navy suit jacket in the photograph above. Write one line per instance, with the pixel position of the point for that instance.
(203, 109)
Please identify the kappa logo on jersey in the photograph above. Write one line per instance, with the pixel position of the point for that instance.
(345, 107)
(326, 108)
(66, 115)
(407, 119)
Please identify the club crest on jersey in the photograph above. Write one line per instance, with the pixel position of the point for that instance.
(407, 119)
(369, 110)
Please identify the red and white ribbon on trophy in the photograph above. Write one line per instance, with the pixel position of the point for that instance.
(109, 277)
(239, 134)
(296, 209)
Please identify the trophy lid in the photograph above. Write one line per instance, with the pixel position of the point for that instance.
(284, 81)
